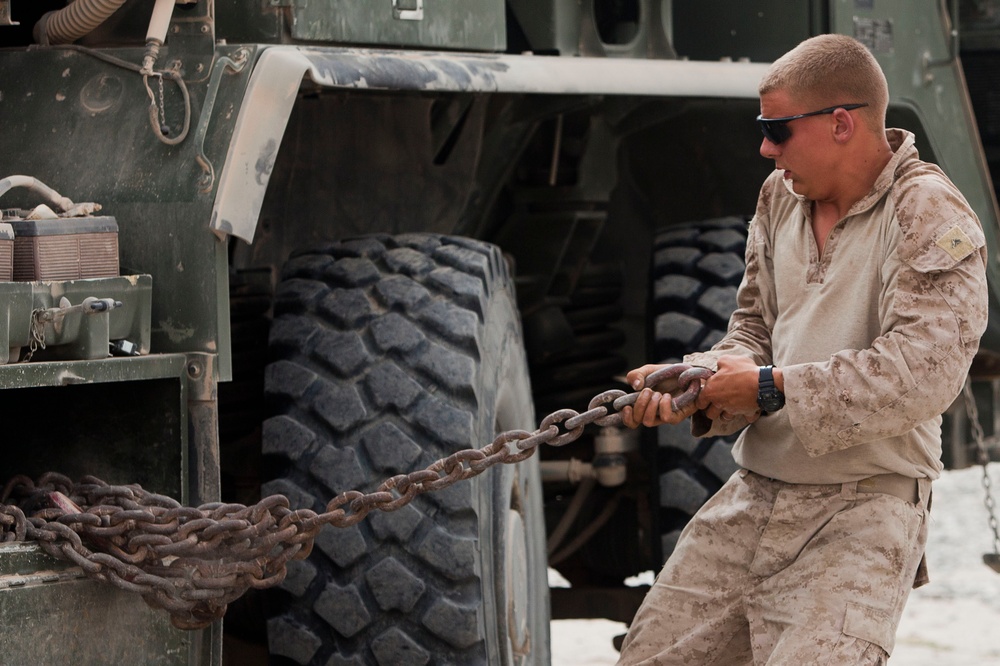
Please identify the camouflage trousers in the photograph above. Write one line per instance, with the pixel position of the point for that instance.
(776, 573)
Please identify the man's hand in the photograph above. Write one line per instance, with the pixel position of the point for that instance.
(652, 407)
(732, 390)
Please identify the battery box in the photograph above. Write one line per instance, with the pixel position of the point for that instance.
(65, 249)
(6, 252)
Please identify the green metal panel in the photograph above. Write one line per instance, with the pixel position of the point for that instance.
(632, 29)
(243, 22)
(549, 25)
(77, 335)
(124, 420)
(911, 42)
(450, 24)
(111, 370)
(51, 614)
(760, 30)
(81, 126)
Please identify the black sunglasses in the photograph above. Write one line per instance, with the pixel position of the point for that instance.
(776, 129)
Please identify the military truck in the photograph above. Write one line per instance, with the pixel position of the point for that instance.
(321, 244)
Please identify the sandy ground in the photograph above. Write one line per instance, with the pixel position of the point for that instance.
(954, 621)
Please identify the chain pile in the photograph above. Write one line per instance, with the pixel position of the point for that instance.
(192, 562)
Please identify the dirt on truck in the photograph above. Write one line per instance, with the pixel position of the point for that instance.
(317, 314)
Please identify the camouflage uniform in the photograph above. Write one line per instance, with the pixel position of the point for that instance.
(796, 560)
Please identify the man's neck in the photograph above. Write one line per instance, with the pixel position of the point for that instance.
(866, 165)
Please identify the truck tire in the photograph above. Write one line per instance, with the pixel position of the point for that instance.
(697, 268)
(389, 353)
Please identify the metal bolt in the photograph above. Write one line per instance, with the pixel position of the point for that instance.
(195, 370)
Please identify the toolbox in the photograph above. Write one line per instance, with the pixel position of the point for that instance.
(65, 249)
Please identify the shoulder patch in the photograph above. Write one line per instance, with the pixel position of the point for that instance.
(943, 248)
(956, 243)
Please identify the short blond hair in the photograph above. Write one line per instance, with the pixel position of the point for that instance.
(832, 69)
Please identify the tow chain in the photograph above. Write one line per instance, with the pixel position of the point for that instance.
(193, 562)
(983, 458)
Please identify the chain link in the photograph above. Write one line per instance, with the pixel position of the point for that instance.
(983, 458)
(163, 113)
(193, 562)
(37, 340)
(157, 112)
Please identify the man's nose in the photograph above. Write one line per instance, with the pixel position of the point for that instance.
(769, 149)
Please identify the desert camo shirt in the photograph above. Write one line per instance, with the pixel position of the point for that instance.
(875, 337)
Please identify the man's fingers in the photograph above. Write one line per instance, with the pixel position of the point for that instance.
(637, 378)
(652, 414)
(627, 418)
(677, 416)
(652, 408)
(702, 401)
(635, 415)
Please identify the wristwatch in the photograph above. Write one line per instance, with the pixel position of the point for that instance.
(769, 398)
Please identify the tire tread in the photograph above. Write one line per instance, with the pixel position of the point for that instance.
(375, 345)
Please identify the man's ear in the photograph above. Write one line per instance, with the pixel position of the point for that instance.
(843, 125)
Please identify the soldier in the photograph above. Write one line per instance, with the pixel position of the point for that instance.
(865, 289)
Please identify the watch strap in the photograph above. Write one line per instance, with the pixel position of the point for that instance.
(766, 377)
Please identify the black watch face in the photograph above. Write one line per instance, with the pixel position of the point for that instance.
(771, 401)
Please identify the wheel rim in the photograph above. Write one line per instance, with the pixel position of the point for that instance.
(516, 581)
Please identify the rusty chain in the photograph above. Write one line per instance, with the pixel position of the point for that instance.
(983, 459)
(193, 562)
